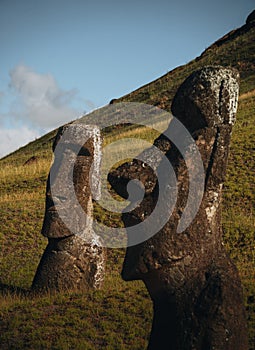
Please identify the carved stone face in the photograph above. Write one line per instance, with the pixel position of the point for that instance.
(69, 184)
(206, 104)
(73, 258)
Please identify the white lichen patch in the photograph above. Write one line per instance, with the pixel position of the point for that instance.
(97, 253)
(96, 166)
(225, 81)
(214, 202)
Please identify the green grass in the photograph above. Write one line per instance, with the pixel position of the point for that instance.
(109, 319)
(118, 316)
(239, 203)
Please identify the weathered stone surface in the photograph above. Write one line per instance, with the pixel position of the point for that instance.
(71, 170)
(70, 263)
(73, 258)
(194, 286)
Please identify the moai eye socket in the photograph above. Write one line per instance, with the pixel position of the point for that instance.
(84, 152)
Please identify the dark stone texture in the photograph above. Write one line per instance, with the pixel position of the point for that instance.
(74, 258)
(251, 18)
(70, 263)
(195, 288)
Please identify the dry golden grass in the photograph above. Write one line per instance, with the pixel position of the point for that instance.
(247, 95)
(9, 173)
(19, 196)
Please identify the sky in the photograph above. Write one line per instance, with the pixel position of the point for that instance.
(60, 59)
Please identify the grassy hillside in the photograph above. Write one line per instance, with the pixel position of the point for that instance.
(118, 316)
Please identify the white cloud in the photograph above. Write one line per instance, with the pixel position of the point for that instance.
(39, 99)
(12, 139)
(34, 105)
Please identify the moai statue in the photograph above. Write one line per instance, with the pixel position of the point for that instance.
(73, 258)
(194, 286)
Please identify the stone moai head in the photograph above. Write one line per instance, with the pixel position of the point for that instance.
(195, 288)
(73, 177)
(206, 104)
(74, 258)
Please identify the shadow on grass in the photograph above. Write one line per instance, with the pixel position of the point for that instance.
(13, 290)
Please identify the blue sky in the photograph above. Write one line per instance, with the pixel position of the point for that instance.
(60, 59)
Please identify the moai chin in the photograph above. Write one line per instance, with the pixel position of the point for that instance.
(194, 286)
(73, 258)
